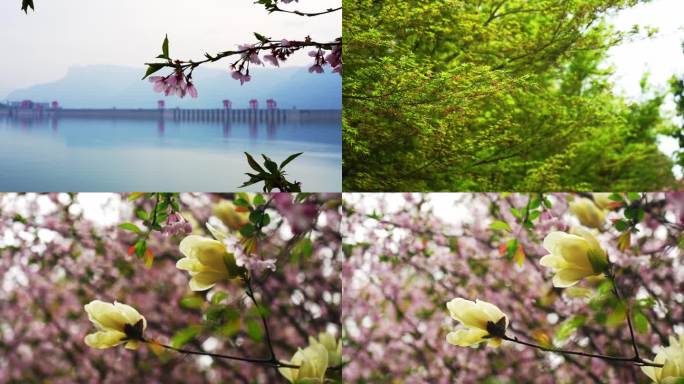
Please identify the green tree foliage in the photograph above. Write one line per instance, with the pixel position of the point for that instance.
(492, 95)
(677, 87)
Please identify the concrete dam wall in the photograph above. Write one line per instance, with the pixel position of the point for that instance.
(194, 115)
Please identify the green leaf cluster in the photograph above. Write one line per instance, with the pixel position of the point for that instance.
(271, 174)
(492, 96)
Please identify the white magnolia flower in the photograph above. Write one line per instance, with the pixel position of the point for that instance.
(207, 260)
(588, 213)
(481, 321)
(332, 345)
(312, 362)
(116, 324)
(573, 256)
(672, 358)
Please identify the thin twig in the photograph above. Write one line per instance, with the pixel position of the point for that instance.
(627, 360)
(275, 8)
(267, 362)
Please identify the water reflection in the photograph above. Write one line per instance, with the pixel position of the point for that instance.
(203, 153)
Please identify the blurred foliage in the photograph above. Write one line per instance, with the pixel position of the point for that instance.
(493, 95)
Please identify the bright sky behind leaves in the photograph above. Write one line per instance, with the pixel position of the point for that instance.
(41, 46)
(661, 55)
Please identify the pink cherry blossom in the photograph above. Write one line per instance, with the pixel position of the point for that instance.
(316, 68)
(272, 59)
(237, 75)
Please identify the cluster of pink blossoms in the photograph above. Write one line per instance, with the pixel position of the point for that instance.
(177, 225)
(251, 56)
(301, 216)
(251, 262)
(334, 59)
(174, 84)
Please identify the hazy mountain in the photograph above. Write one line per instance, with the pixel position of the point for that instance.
(105, 86)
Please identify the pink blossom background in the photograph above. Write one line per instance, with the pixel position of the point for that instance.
(57, 254)
(408, 254)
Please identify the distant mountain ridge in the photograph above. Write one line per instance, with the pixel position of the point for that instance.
(107, 86)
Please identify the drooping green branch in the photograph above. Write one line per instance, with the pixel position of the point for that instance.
(26, 4)
(272, 6)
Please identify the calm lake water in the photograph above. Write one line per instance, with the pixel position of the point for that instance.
(70, 154)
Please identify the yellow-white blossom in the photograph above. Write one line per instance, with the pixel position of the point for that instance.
(481, 321)
(573, 256)
(332, 345)
(602, 200)
(116, 324)
(227, 212)
(312, 362)
(207, 260)
(588, 213)
(672, 358)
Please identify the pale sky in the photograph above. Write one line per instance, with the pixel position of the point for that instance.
(41, 46)
(661, 55)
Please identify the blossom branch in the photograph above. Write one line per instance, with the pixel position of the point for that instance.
(272, 6)
(616, 290)
(268, 362)
(250, 293)
(179, 81)
(627, 360)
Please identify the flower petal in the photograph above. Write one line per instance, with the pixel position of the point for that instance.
(104, 339)
(493, 312)
(569, 277)
(466, 312)
(466, 337)
(131, 314)
(553, 261)
(105, 316)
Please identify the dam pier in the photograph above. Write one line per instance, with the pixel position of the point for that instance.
(271, 114)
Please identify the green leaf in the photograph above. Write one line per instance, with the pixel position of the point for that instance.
(141, 214)
(185, 335)
(152, 68)
(302, 250)
(621, 225)
(265, 220)
(259, 199)
(535, 203)
(270, 164)
(165, 47)
(533, 215)
(617, 316)
(289, 159)
(598, 260)
(247, 230)
(516, 212)
(136, 195)
(254, 330)
(131, 227)
(569, 326)
(241, 202)
(631, 213)
(500, 226)
(252, 163)
(191, 302)
(26, 4)
(634, 196)
(218, 297)
(605, 287)
(140, 247)
(261, 37)
(640, 322)
(616, 197)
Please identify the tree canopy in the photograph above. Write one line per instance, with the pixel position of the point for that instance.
(493, 95)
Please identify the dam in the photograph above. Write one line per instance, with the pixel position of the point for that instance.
(278, 116)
